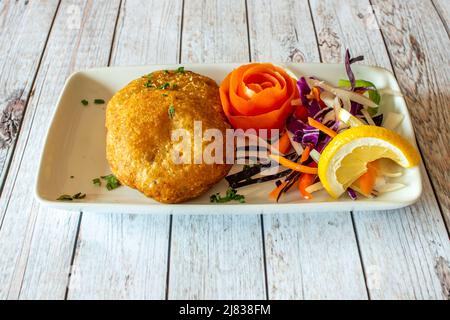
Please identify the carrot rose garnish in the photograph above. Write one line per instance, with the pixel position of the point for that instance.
(258, 96)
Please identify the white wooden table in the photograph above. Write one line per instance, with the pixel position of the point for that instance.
(49, 254)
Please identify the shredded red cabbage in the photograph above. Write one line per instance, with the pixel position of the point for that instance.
(304, 90)
(322, 113)
(355, 108)
(310, 136)
(378, 119)
(348, 69)
(352, 193)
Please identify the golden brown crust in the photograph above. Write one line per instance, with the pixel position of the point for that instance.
(138, 143)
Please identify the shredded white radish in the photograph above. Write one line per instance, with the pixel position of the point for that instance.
(297, 146)
(328, 98)
(315, 155)
(380, 181)
(389, 187)
(392, 120)
(389, 168)
(314, 187)
(368, 117)
(343, 94)
(348, 119)
(330, 116)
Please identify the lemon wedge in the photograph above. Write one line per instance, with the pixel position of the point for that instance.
(345, 158)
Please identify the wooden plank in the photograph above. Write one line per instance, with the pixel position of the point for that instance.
(120, 257)
(48, 261)
(313, 256)
(282, 32)
(148, 32)
(216, 257)
(346, 24)
(443, 9)
(131, 251)
(300, 247)
(73, 44)
(406, 253)
(419, 54)
(23, 33)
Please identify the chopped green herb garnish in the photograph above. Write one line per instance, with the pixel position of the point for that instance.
(180, 70)
(76, 196)
(164, 94)
(171, 111)
(97, 182)
(230, 195)
(84, 102)
(174, 86)
(148, 84)
(166, 71)
(164, 86)
(111, 182)
(79, 195)
(65, 197)
(99, 101)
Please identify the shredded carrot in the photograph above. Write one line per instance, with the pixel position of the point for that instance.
(292, 165)
(321, 127)
(367, 180)
(315, 93)
(305, 154)
(304, 182)
(275, 192)
(284, 144)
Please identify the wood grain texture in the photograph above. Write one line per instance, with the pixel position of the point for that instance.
(216, 257)
(122, 256)
(48, 263)
(24, 27)
(313, 256)
(406, 253)
(148, 32)
(298, 244)
(346, 25)
(282, 32)
(443, 9)
(73, 44)
(419, 54)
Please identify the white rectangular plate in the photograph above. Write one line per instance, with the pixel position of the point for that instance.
(75, 146)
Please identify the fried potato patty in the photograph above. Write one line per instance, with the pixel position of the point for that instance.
(140, 119)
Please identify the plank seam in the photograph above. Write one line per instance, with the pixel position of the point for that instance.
(440, 17)
(315, 30)
(360, 255)
(33, 222)
(113, 40)
(266, 282)
(169, 245)
(181, 31)
(248, 36)
(72, 258)
(169, 251)
(12, 148)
